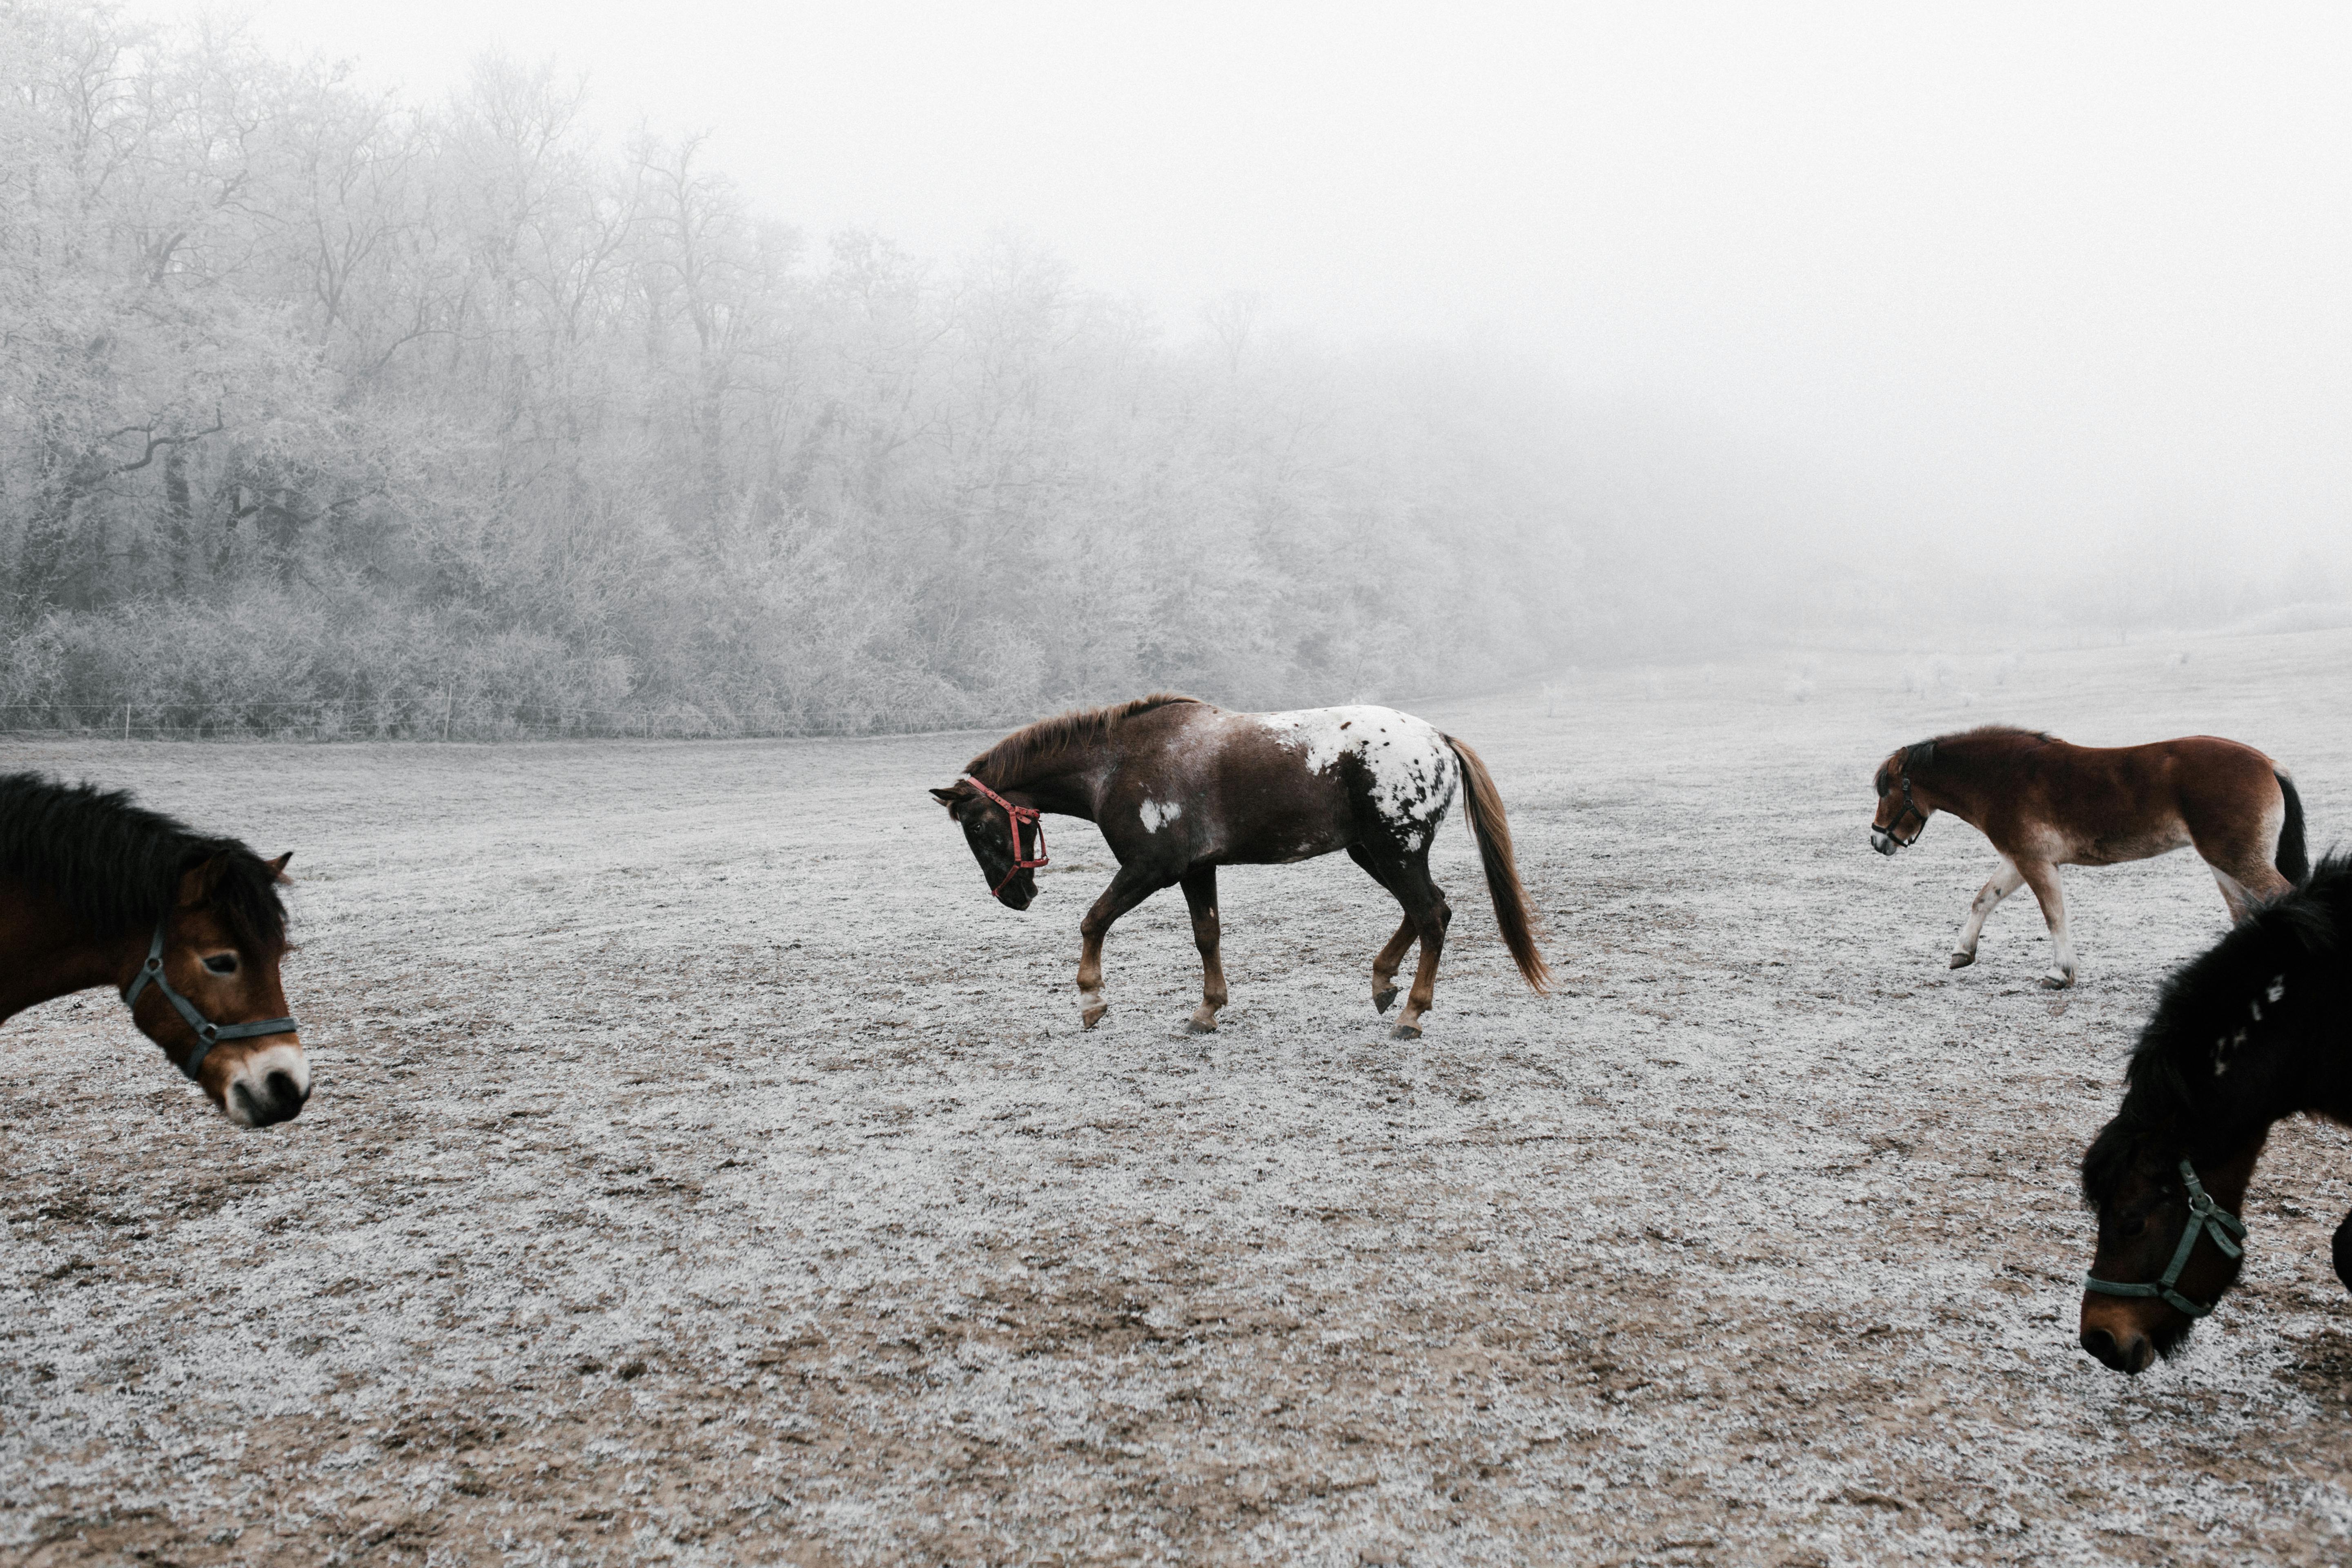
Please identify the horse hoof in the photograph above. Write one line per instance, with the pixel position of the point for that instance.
(1384, 1000)
(1405, 1032)
(1963, 960)
(1194, 1026)
(1094, 1016)
(2056, 981)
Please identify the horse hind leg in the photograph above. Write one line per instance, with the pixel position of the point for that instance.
(2043, 878)
(2234, 894)
(1385, 962)
(2246, 878)
(1430, 915)
(1200, 896)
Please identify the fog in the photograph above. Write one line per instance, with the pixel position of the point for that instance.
(2004, 268)
(1787, 323)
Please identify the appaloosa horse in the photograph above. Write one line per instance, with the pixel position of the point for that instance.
(2045, 804)
(1178, 788)
(189, 931)
(2249, 1032)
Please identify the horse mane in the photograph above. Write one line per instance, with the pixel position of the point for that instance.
(2171, 1087)
(118, 865)
(1009, 762)
(1958, 752)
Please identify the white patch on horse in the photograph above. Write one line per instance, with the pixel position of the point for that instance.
(2277, 990)
(1410, 767)
(1155, 815)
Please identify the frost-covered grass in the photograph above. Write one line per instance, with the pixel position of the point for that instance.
(703, 1168)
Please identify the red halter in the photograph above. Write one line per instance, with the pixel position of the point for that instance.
(1018, 814)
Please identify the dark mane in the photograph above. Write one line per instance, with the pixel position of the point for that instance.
(2171, 1090)
(1953, 753)
(119, 865)
(1008, 762)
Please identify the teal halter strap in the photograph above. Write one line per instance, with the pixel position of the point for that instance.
(2206, 1217)
(208, 1034)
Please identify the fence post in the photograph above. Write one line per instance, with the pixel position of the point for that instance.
(449, 701)
(126, 720)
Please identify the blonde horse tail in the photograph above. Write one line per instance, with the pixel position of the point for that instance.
(1493, 831)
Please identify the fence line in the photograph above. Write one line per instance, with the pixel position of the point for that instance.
(438, 717)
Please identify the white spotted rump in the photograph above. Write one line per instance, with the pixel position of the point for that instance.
(1412, 771)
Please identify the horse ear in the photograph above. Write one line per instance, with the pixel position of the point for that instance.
(277, 868)
(947, 797)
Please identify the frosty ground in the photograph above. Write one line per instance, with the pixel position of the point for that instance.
(703, 1168)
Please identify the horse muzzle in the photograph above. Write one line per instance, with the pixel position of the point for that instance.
(1885, 843)
(2130, 1352)
(267, 1086)
(1019, 893)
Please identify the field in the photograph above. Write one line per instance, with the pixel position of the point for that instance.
(702, 1169)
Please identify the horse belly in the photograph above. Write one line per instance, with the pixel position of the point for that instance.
(1280, 838)
(2116, 845)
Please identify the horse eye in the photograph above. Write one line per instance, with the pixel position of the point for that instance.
(2132, 1227)
(222, 963)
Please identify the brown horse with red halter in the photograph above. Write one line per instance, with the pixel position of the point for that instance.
(1178, 788)
(188, 930)
(2248, 1033)
(2045, 804)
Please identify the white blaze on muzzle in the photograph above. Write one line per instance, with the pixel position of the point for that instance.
(249, 1090)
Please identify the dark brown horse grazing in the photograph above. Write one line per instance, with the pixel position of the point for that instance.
(2045, 804)
(188, 930)
(1178, 788)
(2254, 1030)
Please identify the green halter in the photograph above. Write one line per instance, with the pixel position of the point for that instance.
(2205, 1218)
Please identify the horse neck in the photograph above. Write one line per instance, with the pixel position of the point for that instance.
(1955, 790)
(2273, 1046)
(47, 951)
(1067, 784)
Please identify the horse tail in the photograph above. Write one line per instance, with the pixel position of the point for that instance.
(1493, 831)
(2293, 861)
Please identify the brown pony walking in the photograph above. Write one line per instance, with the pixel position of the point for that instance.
(1178, 788)
(2045, 804)
(188, 930)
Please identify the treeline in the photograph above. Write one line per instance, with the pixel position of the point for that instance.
(311, 395)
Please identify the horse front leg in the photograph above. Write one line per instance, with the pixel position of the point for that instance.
(1128, 889)
(1200, 896)
(2342, 1252)
(2003, 882)
(2043, 878)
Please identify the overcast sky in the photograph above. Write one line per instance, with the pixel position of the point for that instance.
(2048, 273)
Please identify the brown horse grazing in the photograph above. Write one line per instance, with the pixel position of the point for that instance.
(188, 930)
(1178, 788)
(2045, 804)
(2249, 1031)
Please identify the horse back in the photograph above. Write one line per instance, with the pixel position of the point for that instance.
(1207, 786)
(2102, 805)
